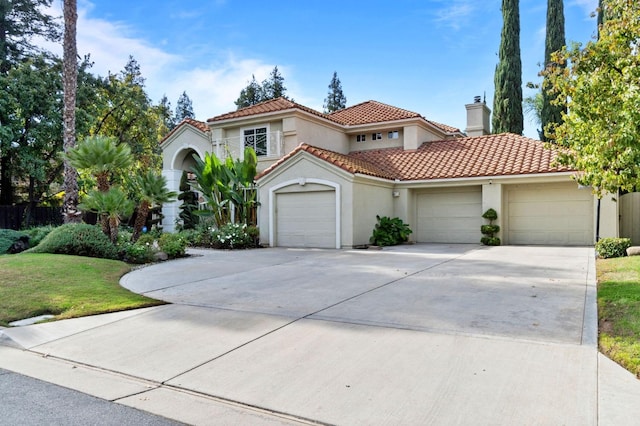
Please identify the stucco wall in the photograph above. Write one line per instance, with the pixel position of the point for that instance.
(296, 172)
(317, 134)
(609, 216)
(369, 143)
(369, 199)
(185, 139)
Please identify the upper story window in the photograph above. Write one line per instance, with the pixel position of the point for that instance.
(393, 135)
(257, 138)
(376, 136)
(361, 138)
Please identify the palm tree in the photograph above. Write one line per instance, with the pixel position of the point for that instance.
(102, 156)
(70, 83)
(113, 205)
(151, 189)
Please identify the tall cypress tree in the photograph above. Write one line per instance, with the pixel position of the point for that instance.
(507, 101)
(551, 115)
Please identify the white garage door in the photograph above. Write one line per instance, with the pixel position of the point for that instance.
(550, 214)
(306, 219)
(449, 216)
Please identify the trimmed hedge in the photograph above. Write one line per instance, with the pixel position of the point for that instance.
(612, 247)
(77, 239)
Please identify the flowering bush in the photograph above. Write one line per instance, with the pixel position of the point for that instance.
(233, 235)
(230, 236)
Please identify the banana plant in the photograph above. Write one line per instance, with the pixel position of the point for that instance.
(227, 185)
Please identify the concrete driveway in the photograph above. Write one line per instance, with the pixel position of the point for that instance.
(418, 334)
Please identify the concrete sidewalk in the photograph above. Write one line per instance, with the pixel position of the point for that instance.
(424, 334)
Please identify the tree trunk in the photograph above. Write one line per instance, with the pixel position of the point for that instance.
(141, 219)
(70, 85)
(6, 187)
(113, 225)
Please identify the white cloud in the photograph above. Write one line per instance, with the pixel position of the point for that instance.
(455, 13)
(212, 86)
(589, 6)
(212, 90)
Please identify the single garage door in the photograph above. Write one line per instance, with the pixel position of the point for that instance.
(449, 215)
(550, 214)
(306, 219)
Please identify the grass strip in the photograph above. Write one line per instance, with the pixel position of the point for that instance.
(64, 286)
(619, 310)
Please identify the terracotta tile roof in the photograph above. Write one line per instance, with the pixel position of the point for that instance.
(445, 128)
(187, 121)
(480, 156)
(368, 112)
(371, 112)
(272, 105)
(345, 162)
(200, 125)
(490, 155)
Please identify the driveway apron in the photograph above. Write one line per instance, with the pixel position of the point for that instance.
(415, 334)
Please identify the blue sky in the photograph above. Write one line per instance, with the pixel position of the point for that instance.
(427, 56)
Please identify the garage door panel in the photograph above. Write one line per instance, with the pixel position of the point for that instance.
(306, 219)
(550, 214)
(451, 216)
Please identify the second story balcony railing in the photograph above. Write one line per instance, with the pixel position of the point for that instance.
(266, 145)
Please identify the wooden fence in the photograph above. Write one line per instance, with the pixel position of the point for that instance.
(13, 217)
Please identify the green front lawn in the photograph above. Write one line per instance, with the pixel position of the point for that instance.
(619, 310)
(64, 286)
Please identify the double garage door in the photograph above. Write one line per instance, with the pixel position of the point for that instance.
(544, 214)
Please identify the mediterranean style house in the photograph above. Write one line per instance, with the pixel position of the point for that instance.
(323, 178)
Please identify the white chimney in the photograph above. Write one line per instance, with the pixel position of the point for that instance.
(478, 114)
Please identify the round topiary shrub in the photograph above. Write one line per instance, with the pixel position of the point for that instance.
(78, 239)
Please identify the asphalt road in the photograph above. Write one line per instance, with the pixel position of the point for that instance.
(26, 401)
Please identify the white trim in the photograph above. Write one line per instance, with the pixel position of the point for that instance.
(302, 181)
(540, 177)
(184, 148)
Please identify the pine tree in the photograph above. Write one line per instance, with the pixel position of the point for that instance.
(551, 115)
(184, 109)
(507, 101)
(165, 114)
(273, 87)
(250, 95)
(335, 99)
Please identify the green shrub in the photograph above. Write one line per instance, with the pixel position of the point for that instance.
(490, 241)
(490, 215)
(612, 247)
(37, 234)
(8, 237)
(191, 236)
(174, 245)
(389, 232)
(136, 252)
(77, 239)
(489, 231)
